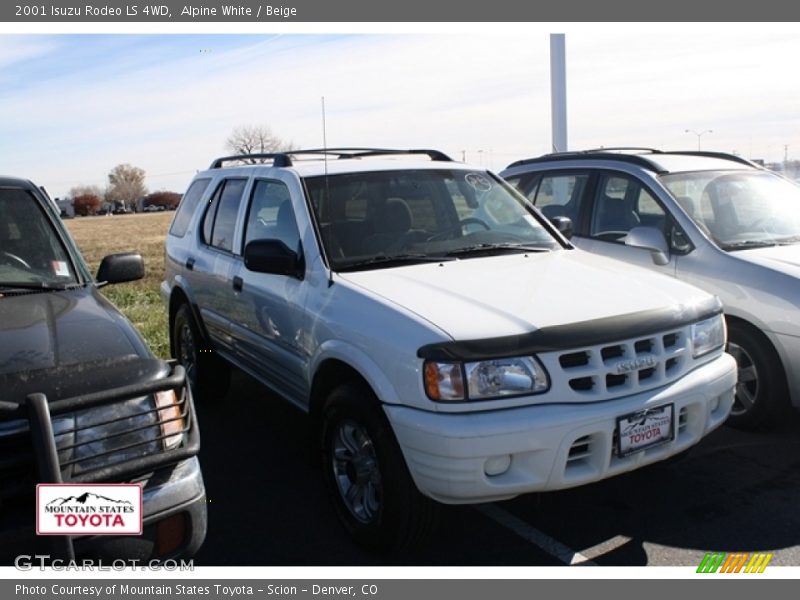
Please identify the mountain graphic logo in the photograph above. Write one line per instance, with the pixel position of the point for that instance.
(88, 499)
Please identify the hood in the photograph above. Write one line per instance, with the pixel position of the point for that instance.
(785, 259)
(58, 329)
(515, 294)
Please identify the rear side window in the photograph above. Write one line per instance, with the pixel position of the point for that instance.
(187, 207)
(219, 224)
(559, 195)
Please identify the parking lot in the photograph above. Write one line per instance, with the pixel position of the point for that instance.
(736, 491)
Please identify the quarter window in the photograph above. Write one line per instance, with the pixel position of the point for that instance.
(187, 207)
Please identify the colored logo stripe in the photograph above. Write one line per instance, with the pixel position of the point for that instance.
(734, 563)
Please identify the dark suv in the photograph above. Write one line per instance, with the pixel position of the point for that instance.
(82, 398)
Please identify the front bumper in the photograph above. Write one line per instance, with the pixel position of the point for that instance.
(175, 519)
(554, 446)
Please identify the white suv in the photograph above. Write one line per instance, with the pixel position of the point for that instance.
(447, 341)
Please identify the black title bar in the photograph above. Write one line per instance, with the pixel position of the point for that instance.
(455, 11)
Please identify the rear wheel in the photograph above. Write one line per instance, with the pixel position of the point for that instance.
(208, 375)
(761, 397)
(366, 475)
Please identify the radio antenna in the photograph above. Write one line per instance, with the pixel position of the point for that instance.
(327, 187)
(324, 140)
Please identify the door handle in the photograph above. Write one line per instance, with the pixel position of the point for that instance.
(238, 283)
(190, 263)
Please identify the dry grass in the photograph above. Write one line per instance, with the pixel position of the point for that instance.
(140, 300)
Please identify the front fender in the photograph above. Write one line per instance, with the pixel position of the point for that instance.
(361, 362)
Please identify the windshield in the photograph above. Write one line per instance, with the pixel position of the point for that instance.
(31, 254)
(370, 219)
(740, 209)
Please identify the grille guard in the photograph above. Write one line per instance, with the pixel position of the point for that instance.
(40, 414)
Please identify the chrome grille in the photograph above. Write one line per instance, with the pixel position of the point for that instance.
(621, 368)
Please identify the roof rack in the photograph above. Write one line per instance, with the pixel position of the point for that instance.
(636, 159)
(284, 159)
(642, 149)
(723, 155)
(642, 160)
(279, 159)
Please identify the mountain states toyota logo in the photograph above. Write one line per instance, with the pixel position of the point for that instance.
(92, 509)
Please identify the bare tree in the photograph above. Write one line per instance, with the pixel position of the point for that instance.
(84, 190)
(126, 185)
(86, 204)
(252, 139)
(163, 198)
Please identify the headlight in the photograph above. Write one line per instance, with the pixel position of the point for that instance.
(113, 433)
(107, 434)
(708, 335)
(485, 380)
(171, 418)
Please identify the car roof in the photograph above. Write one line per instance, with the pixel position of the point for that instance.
(6, 181)
(660, 162)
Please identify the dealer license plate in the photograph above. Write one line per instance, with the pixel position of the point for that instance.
(645, 429)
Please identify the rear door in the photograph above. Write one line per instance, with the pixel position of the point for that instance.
(214, 266)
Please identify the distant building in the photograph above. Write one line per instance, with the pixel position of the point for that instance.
(66, 207)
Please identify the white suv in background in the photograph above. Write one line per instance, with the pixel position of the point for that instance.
(715, 220)
(448, 343)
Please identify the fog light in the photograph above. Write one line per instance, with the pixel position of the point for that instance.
(170, 534)
(497, 465)
(714, 404)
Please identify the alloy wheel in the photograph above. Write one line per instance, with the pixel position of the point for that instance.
(356, 472)
(747, 384)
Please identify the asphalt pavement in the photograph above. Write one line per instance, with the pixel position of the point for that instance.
(735, 492)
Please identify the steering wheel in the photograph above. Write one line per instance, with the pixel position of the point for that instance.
(15, 259)
(461, 224)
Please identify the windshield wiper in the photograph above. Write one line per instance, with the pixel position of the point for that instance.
(743, 245)
(390, 261)
(35, 286)
(487, 249)
(792, 239)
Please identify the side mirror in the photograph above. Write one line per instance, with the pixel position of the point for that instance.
(651, 239)
(273, 256)
(119, 268)
(564, 226)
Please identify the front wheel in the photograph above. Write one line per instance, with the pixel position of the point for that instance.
(761, 398)
(366, 476)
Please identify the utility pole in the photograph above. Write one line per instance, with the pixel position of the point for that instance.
(558, 91)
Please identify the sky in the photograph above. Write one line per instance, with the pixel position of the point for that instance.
(74, 105)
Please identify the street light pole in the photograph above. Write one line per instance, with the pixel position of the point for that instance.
(699, 134)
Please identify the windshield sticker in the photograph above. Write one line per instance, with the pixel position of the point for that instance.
(60, 268)
(479, 181)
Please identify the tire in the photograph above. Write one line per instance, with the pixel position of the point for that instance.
(761, 396)
(208, 375)
(366, 476)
